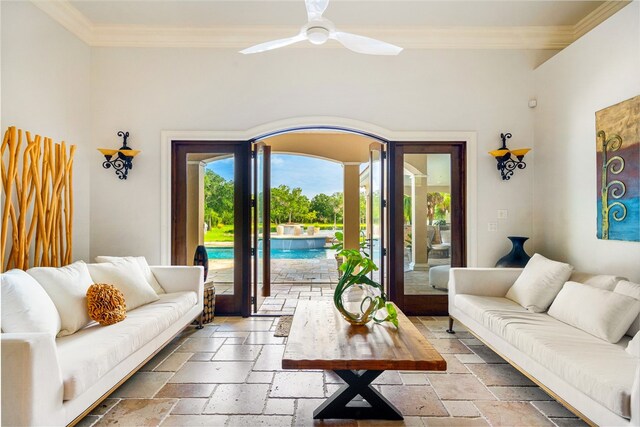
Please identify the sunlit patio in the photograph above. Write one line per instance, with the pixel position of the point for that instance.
(295, 279)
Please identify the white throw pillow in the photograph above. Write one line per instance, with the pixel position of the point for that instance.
(603, 281)
(539, 283)
(128, 279)
(144, 266)
(633, 348)
(604, 314)
(26, 307)
(67, 287)
(632, 290)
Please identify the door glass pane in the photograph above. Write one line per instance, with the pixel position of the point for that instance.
(375, 208)
(427, 223)
(210, 214)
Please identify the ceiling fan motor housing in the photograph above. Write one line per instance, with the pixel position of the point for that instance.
(317, 35)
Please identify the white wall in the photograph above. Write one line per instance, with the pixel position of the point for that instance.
(146, 91)
(55, 85)
(45, 89)
(600, 69)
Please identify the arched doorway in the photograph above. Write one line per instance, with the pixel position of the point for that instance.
(316, 160)
(389, 206)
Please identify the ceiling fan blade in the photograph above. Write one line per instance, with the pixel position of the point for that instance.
(365, 45)
(315, 8)
(274, 44)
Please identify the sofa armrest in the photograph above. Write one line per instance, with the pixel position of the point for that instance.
(32, 387)
(490, 282)
(180, 278)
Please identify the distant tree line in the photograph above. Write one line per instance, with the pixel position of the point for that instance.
(287, 204)
(218, 199)
(290, 205)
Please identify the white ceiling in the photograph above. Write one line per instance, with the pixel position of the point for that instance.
(412, 24)
(396, 13)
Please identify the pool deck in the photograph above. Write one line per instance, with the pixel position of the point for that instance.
(282, 271)
(296, 279)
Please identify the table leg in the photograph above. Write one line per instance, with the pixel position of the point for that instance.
(343, 403)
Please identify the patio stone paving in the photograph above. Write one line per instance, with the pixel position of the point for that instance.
(295, 279)
(234, 378)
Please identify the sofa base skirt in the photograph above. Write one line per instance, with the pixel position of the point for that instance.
(82, 405)
(590, 411)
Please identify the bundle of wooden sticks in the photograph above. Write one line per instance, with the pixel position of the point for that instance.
(37, 211)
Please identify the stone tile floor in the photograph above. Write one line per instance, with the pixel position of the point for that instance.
(316, 271)
(304, 271)
(229, 374)
(284, 297)
(292, 280)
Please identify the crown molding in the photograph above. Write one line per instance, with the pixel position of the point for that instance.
(219, 37)
(410, 38)
(532, 37)
(69, 17)
(557, 37)
(600, 14)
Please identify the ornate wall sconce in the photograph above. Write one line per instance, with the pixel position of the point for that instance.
(124, 161)
(505, 158)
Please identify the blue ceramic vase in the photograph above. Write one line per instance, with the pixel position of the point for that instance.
(202, 258)
(517, 257)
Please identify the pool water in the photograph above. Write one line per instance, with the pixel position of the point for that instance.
(227, 253)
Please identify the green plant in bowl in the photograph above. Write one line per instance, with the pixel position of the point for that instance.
(355, 268)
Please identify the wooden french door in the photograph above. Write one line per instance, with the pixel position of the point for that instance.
(261, 203)
(427, 217)
(191, 161)
(376, 212)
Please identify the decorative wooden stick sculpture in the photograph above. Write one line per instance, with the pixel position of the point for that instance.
(38, 201)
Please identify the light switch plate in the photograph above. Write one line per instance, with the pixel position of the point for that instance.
(503, 214)
(493, 226)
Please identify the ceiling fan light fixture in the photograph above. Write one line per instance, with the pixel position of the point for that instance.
(317, 35)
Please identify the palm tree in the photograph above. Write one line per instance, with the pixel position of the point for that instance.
(406, 209)
(433, 200)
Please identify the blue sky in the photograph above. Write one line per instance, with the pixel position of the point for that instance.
(313, 175)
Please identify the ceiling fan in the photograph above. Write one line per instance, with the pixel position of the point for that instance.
(319, 29)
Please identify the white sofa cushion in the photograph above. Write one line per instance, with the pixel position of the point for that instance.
(632, 290)
(142, 263)
(603, 281)
(595, 367)
(67, 287)
(112, 344)
(129, 280)
(604, 314)
(539, 283)
(26, 307)
(481, 308)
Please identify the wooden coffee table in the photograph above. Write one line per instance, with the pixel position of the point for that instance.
(321, 339)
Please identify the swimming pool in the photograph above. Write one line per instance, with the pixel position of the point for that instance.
(227, 253)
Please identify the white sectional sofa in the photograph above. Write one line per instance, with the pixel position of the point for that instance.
(49, 380)
(597, 380)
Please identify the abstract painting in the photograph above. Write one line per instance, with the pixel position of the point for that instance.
(618, 171)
